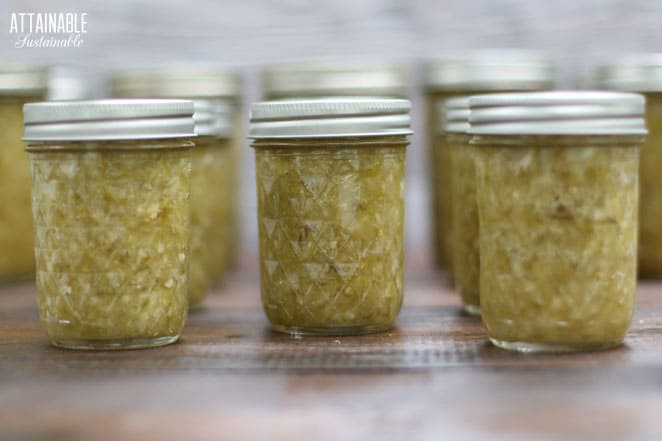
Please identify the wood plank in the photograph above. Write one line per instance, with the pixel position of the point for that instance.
(433, 377)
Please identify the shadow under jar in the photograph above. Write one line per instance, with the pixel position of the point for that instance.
(556, 187)
(110, 191)
(330, 184)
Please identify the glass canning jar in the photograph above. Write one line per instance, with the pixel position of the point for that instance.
(216, 160)
(556, 177)
(213, 192)
(110, 192)
(643, 73)
(18, 85)
(650, 202)
(469, 73)
(330, 184)
(441, 190)
(462, 193)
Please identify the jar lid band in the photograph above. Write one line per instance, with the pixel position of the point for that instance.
(214, 117)
(454, 115)
(122, 119)
(557, 113)
(330, 117)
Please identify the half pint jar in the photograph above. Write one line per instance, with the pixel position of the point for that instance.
(110, 194)
(557, 177)
(643, 73)
(213, 190)
(464, 74)
(18, 85)
(330, 184)
(462, 192)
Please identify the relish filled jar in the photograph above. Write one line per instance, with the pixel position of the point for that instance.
(213, 192)
(215, 161)
(110, 195)
(483, 71)
(556, 185)
(462, 186)
(18, 85)
(330, 186)
(643, 73)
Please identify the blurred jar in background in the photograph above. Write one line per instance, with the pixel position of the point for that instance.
(462, 184)
(335, 78)
(18, 85)
(483, 71)
(214, 179)
(213, 197)
(643, 73)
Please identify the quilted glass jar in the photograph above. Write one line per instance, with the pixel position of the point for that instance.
(18, 85)
(330, 183)
(557, 192)
(110, 192)
(483, 71)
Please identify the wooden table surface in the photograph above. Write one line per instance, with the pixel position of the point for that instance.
(434, 377)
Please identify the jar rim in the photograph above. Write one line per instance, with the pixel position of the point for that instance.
(123, 145)
(542, 140)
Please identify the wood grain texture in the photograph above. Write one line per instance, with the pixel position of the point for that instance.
(433, 377)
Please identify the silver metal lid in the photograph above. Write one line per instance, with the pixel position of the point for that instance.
(557, 113)
(634, 73)
(335, 78)
(491, 70)
(454, 115)
(213, 117)
(330, 117)
(120, 119)
(176, 82)
(23, 80)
